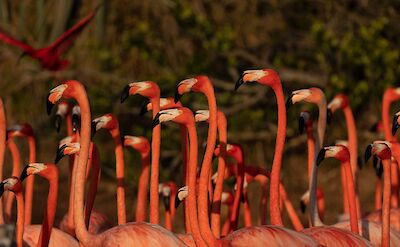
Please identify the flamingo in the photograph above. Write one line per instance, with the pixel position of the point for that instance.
(110, 123)
(305, 200)
(150, 90)
(130, 234)
(25, 130)
(2, 150)
(204, 115)
(260, 236)
(168, 191)
(96, 221)
(341, 101)
(50, 56)
(64, 110)
(142, 145)
(45, 234)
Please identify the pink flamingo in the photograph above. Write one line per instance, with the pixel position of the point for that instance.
(137, 234)
(142, 145)
(168, 192)
(110, 123)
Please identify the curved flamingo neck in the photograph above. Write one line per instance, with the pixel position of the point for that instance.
(120, 168)
(30, 182)
(155, 158)
(352, 137)
(184, 137)
(386, 203)
(310, 150)
(277, 162)
(19, 231)
(94, 182)
(351, 196)
(70, 219)
(142, 189)
(239, 191)
(2, 150)
(206, 232)
(16, 171)
(192, 207)
(82, 233)
(216, 204)
(51, 206)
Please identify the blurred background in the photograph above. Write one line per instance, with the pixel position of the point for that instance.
(339, 46)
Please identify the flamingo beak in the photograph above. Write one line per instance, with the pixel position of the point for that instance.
(143, 109)
(177, 95)
(1, 189)
(321, 156)
(24, 173)
(177, 201)
(124, 93)
(49, 105)
(378, 167)
(395, 125)
(58, 122)
(75, 122)
(156, 120)
(239, 82)
(60, 153)
(329, 116)
(368, 153)
(303, 206)
(302, 125)
(93, 129)
(166, 203)
(289, 102)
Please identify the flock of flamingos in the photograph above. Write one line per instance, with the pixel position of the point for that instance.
(203, 193)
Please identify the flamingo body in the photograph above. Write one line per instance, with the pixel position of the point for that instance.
(58, 238)
(376, 216)
(332, 236)
(98, 223)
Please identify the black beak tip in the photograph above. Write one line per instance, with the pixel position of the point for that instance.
(24, 173)
(143, 109)
(49, 106)
(288, 103)
(301, 125)
(93, 130)
(57, 123)
(239, 82)
(156, 120)
(124, 94)
(303, 207)
(60, 154)
(368, 153)
(177, 96)
(1, 189)
(321, 156)
(395, 125)
(177, 201)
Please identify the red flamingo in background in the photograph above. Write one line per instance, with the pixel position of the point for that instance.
(50, 56)
(110, 123)
(150, 90)
(341, 101)
(45, 234)
(168, 192)
(137, 234)
(391, 95)
(2, 150)
(26, 131)
(142, 145)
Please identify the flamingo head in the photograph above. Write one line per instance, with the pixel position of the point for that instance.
(202, 115)
(267, 77)
(304, 121)
(76, 118)
(64, 90)
(396, 123)
(107, 121)
(35, 168)
(147, 89)
(311, 95)
(62, 111)
(165, 191)
(235, 151)
(305, 199)
(11, 184)
(227, 198)
(391, 94)
(340, 101)
(181, 195)
(20, 130)
(66, 140)
(180, 115)
(139, 143)
(338, 152)
(67, 149)
(197, 84)
(165, 103)
(379, 148)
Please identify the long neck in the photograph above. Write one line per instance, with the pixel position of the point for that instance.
(94, 182)
(310, 149)
(351, 197)
(19, 231)
(80, 228)
(192, 207)
(277, 163)
(70, 219)
(2, 151)
(68, 119)
(16, 170)
(386, 118)
(155, 158)
(120, 167)
(216, 205)
(294, 218)
(142, 190)
(206, 167)
(50, 210)
(386, 203)
(30, 182)
(378, 194)
(238, 193)
(184, 137)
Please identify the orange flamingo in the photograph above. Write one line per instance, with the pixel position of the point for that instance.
(142, 145)
(110, 123)
(341, 101)
(2, 151)
(16, 170)
(168, 192)
(255, 235)
(137, 234)
(49, 57)
(26, 131)
(45, 234)
(150, 90)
